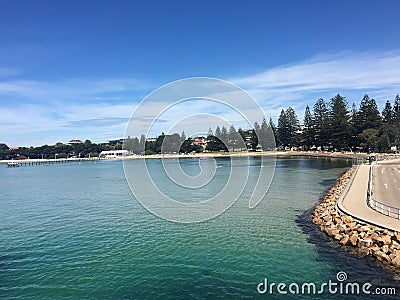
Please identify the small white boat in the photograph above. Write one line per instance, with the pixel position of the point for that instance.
(13, 164)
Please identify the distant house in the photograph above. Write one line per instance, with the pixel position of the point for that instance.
(74, 142)
(200, 141)
(248, 138)
(113, 153)
(150, 140)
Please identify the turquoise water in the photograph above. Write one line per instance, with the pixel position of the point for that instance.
(74, 231)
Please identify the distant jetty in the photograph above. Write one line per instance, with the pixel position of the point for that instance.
(36, 162)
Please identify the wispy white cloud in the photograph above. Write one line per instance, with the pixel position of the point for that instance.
(24, 88)
(324, 75)
(74, 90)
(35, 112)
(33, 124)
(345, 71)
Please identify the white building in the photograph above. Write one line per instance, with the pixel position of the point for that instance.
(113, 153)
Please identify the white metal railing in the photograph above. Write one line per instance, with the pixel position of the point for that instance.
(383, 208)
(380, 207)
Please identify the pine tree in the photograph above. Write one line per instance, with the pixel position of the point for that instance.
(353, 127)
(293, 126)
(339, 123)
(265, 138)
(387, 134)
(255, 134)
(288, 124)
(321, 122)
(396, 109)
(368, 116)
(210, 132)
(218, 132)
(387, 114)
(273, 128)
(142, 143)
(224, 135)
(396, 120)
(234, 139)
(283, 129)
(262, 136)
(308, 132)
(183, 137)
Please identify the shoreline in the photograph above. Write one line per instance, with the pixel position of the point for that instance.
(360, 237)
(346, 155)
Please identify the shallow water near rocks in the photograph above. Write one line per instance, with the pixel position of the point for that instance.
(75, 231)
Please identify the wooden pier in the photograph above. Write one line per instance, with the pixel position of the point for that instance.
(36, 162)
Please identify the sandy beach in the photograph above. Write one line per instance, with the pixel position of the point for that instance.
(346, 155)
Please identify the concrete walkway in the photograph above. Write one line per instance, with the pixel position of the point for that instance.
(354, 202)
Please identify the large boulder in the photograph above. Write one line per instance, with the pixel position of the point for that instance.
(353, 239)
(364, 251)
(381, 256)
(396, 261)
(344, 240)
(341, 227)
(396, 237)
(338, 236)
(364, 243)
(347, 219)
(384, 240)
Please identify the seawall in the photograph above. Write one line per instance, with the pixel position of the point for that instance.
(365, 239)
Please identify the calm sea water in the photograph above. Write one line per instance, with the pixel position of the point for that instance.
(74, 231)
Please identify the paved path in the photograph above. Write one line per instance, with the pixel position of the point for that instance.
(386, 184)
(355, 202)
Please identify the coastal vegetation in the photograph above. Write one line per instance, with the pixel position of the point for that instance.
(59, 150)
(328, 125)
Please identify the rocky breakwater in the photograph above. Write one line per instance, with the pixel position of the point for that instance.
(365, 239)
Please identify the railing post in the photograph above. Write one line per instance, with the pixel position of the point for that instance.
(377, 205)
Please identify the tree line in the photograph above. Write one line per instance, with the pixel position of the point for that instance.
(333, 125)
(173, 143)
(59, 150)
(223, 139)
(328, 125)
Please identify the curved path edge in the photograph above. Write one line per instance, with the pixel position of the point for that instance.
(354, 202)
(343, 223)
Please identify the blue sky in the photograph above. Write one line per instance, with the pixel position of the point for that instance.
(77, 69)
